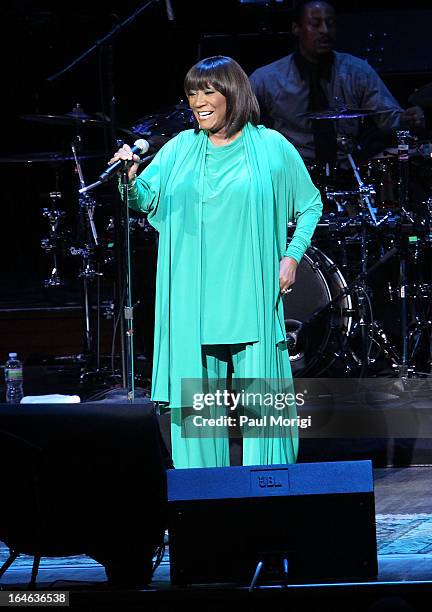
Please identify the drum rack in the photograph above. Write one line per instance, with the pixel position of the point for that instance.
(359, 218)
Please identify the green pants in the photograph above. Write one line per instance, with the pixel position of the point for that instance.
(223, 362)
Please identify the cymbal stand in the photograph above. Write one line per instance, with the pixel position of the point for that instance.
(428, 223)
(403, 165)
(88, 273)
(406, 367)
(420, 305)
(360, 287)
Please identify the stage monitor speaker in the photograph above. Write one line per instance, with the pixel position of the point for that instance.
(84, 478)
(320, 517)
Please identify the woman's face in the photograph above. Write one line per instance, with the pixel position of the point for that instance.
(209, 108)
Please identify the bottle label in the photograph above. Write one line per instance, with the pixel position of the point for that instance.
(14, 375)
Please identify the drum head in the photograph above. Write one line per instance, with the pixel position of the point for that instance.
(317, 315)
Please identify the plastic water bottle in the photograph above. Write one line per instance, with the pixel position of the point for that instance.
(14, 379)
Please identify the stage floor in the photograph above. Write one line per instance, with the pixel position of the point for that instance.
(404, 539)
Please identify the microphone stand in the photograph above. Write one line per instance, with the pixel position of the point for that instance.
(128, 307)
(119, 220)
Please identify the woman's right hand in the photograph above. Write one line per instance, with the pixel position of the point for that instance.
(125, 152)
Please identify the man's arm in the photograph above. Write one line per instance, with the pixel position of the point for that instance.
(376, 96)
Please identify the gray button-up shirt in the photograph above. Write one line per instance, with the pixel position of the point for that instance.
(283, 95)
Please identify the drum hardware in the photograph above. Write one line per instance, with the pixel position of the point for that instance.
(108, 310)
(372, 332)
(340, 225)
(418, 293)
(333, 223)
(87, 249)
(54, 216)
(408, 230)
(51, 244)
(88, 271)
(348, 312)
(383, 170)
(54, 280)
(403, 138)
(313, 350)
(345, 143)
(77, 119)
(350, 240)
(423, 290)
(367, 325)
(367, 216)
(416, 296)
(47, 245)
(384, 344)
(388, 219)
(364, 190)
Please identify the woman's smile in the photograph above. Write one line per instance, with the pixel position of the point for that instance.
(209, 108)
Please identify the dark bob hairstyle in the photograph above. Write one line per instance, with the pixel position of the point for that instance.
(229, 78)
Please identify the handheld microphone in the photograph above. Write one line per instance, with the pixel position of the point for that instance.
(140, 146)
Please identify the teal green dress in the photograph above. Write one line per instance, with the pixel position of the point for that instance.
(227, 262)
(222, 215)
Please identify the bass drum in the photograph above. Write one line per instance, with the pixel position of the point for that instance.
(318, 317)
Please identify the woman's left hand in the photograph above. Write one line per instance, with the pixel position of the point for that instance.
(287, 273)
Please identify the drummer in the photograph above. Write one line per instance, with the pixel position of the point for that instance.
(315, 78)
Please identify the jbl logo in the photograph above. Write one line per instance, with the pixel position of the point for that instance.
(268, 481)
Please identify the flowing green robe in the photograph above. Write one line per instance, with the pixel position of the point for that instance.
(171, 190)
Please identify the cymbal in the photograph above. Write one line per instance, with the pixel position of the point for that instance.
(48, 156)
(342, 113)
(76, 117)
